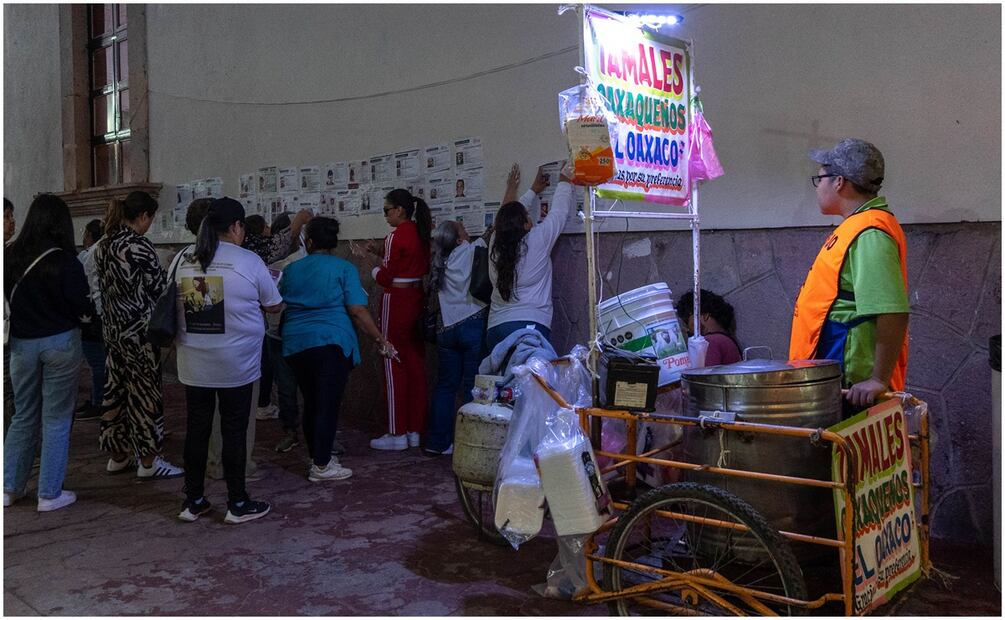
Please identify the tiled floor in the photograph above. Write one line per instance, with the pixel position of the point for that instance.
(388, 541)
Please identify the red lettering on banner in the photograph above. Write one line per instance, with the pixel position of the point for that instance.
(644, 75)
(657, 82)
(666, 68)
(678, 82)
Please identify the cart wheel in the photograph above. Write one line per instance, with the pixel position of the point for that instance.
(758, 559)
(476, 501)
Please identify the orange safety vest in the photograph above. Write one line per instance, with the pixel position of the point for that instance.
(820, 289)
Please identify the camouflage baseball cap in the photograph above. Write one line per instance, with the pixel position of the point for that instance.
(856, 160)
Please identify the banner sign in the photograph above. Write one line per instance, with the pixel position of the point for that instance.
(887, 549)
(646, 79)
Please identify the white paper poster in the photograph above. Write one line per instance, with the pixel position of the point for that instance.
(310, 201)
(270, 206)
(364, 201)
(470, 214)
(407, 166)
(184, 195)
(468, 186)
(214, 187)
(326, 207)
(268, 180)
(310, 179)
(382, 170)
(440, 190)
(468, 153)
(247, 185)
(336, 175)
(438, 159)
(250, 204)
(441, 213)
(377, 197)
(347, 202)
(289, 180)
(489, 213)
(359, 174)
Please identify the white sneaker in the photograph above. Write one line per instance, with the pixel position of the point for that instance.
(332, 471)
(65, 499)
(390, 442)
(119, 467)
(159, 470)
(269, 412)
(10, 498)
(413, 440)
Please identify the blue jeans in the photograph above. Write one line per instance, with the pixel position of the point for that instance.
(44, 372)
(286, 383)
(502, 331)
(94, 354)
(460, 349)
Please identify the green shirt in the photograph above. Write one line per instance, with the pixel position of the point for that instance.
(871, 270)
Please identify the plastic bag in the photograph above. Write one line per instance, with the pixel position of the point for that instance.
(577, 496)
(567, 573)
(532, 407)
(697, 348)
(702, 162)
(590, 130)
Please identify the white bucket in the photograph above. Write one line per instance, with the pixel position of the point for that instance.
(644, 321)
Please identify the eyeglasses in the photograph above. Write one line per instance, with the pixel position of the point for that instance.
(815, 180)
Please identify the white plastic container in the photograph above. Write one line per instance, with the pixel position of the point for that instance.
(644, 321)
(577, 497)
(520, 500)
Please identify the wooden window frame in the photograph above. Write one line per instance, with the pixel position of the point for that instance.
(79, 192)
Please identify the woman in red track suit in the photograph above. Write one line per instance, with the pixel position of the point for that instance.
(405, 262)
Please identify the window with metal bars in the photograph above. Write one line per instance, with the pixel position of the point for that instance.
(108, 57)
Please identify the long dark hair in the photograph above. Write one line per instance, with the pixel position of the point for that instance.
(415, 209)
(47, 225)
(713, 305)
(121, 212)
(508, 246)
(445, 239)
(222, 214)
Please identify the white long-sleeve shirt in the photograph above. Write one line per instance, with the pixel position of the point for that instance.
(531, 298)
(456, 302)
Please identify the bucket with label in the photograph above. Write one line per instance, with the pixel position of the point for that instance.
(644, 321)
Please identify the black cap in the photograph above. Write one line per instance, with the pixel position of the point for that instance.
(225, 211)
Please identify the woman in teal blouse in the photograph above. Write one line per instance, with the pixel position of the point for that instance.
(324, 298)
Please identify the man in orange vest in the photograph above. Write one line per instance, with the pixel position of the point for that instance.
(853, 306)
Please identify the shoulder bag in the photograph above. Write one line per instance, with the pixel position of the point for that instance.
(163, 324)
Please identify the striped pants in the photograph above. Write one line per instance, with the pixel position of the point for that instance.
(404, 381)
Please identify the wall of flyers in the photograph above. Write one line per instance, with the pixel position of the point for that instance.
(449, 176)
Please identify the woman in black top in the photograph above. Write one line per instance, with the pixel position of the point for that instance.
(131, 280)
(45, 286)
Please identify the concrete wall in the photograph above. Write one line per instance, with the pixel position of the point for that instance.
(33, 139)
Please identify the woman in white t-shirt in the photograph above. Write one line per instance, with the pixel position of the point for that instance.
(460, 344)
(219, 352)
(520, 259)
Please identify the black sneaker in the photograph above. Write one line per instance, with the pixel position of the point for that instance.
(248, 510)
(190, 511)
(90, 412)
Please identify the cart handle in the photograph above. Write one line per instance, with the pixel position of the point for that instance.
(908, 399)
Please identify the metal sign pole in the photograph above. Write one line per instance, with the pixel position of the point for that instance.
(695, 220)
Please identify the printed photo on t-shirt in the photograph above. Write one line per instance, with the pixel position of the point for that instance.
(202, 298)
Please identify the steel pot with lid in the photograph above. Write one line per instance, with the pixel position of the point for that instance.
(785, 393)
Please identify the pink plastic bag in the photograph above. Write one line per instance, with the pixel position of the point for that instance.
(702, 163)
